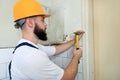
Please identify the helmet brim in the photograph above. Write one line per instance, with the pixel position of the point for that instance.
(46, 15)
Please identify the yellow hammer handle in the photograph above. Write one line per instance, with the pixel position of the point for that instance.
(77, 41)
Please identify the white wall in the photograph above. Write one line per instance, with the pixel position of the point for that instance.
(5, 57)
(72, 14)
(72, 22)
(9, 36)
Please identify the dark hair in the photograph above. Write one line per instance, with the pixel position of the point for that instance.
(19, 23)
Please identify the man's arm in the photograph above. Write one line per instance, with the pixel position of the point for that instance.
(62, 47)
(72, 69)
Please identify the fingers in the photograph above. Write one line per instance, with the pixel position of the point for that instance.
(80, 31)
(81, 34)
(78, 52)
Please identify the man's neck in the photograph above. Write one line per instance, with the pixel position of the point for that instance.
(31, 37)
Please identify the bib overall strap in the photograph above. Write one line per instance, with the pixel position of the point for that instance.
(19, 45)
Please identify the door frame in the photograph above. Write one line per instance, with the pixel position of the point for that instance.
(88, 49)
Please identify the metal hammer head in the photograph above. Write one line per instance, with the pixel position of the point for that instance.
(77, 33)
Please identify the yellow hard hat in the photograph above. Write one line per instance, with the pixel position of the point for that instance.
(28, 8)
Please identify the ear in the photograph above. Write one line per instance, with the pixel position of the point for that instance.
(30, 22)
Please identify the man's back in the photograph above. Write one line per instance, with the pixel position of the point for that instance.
(31, 63)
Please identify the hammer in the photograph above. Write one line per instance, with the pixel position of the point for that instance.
(77, 39)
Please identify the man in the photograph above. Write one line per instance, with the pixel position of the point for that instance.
(31, 59)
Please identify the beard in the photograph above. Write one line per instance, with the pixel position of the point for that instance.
(41, 34)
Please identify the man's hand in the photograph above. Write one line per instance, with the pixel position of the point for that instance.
(77, 53)
(81, 32)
